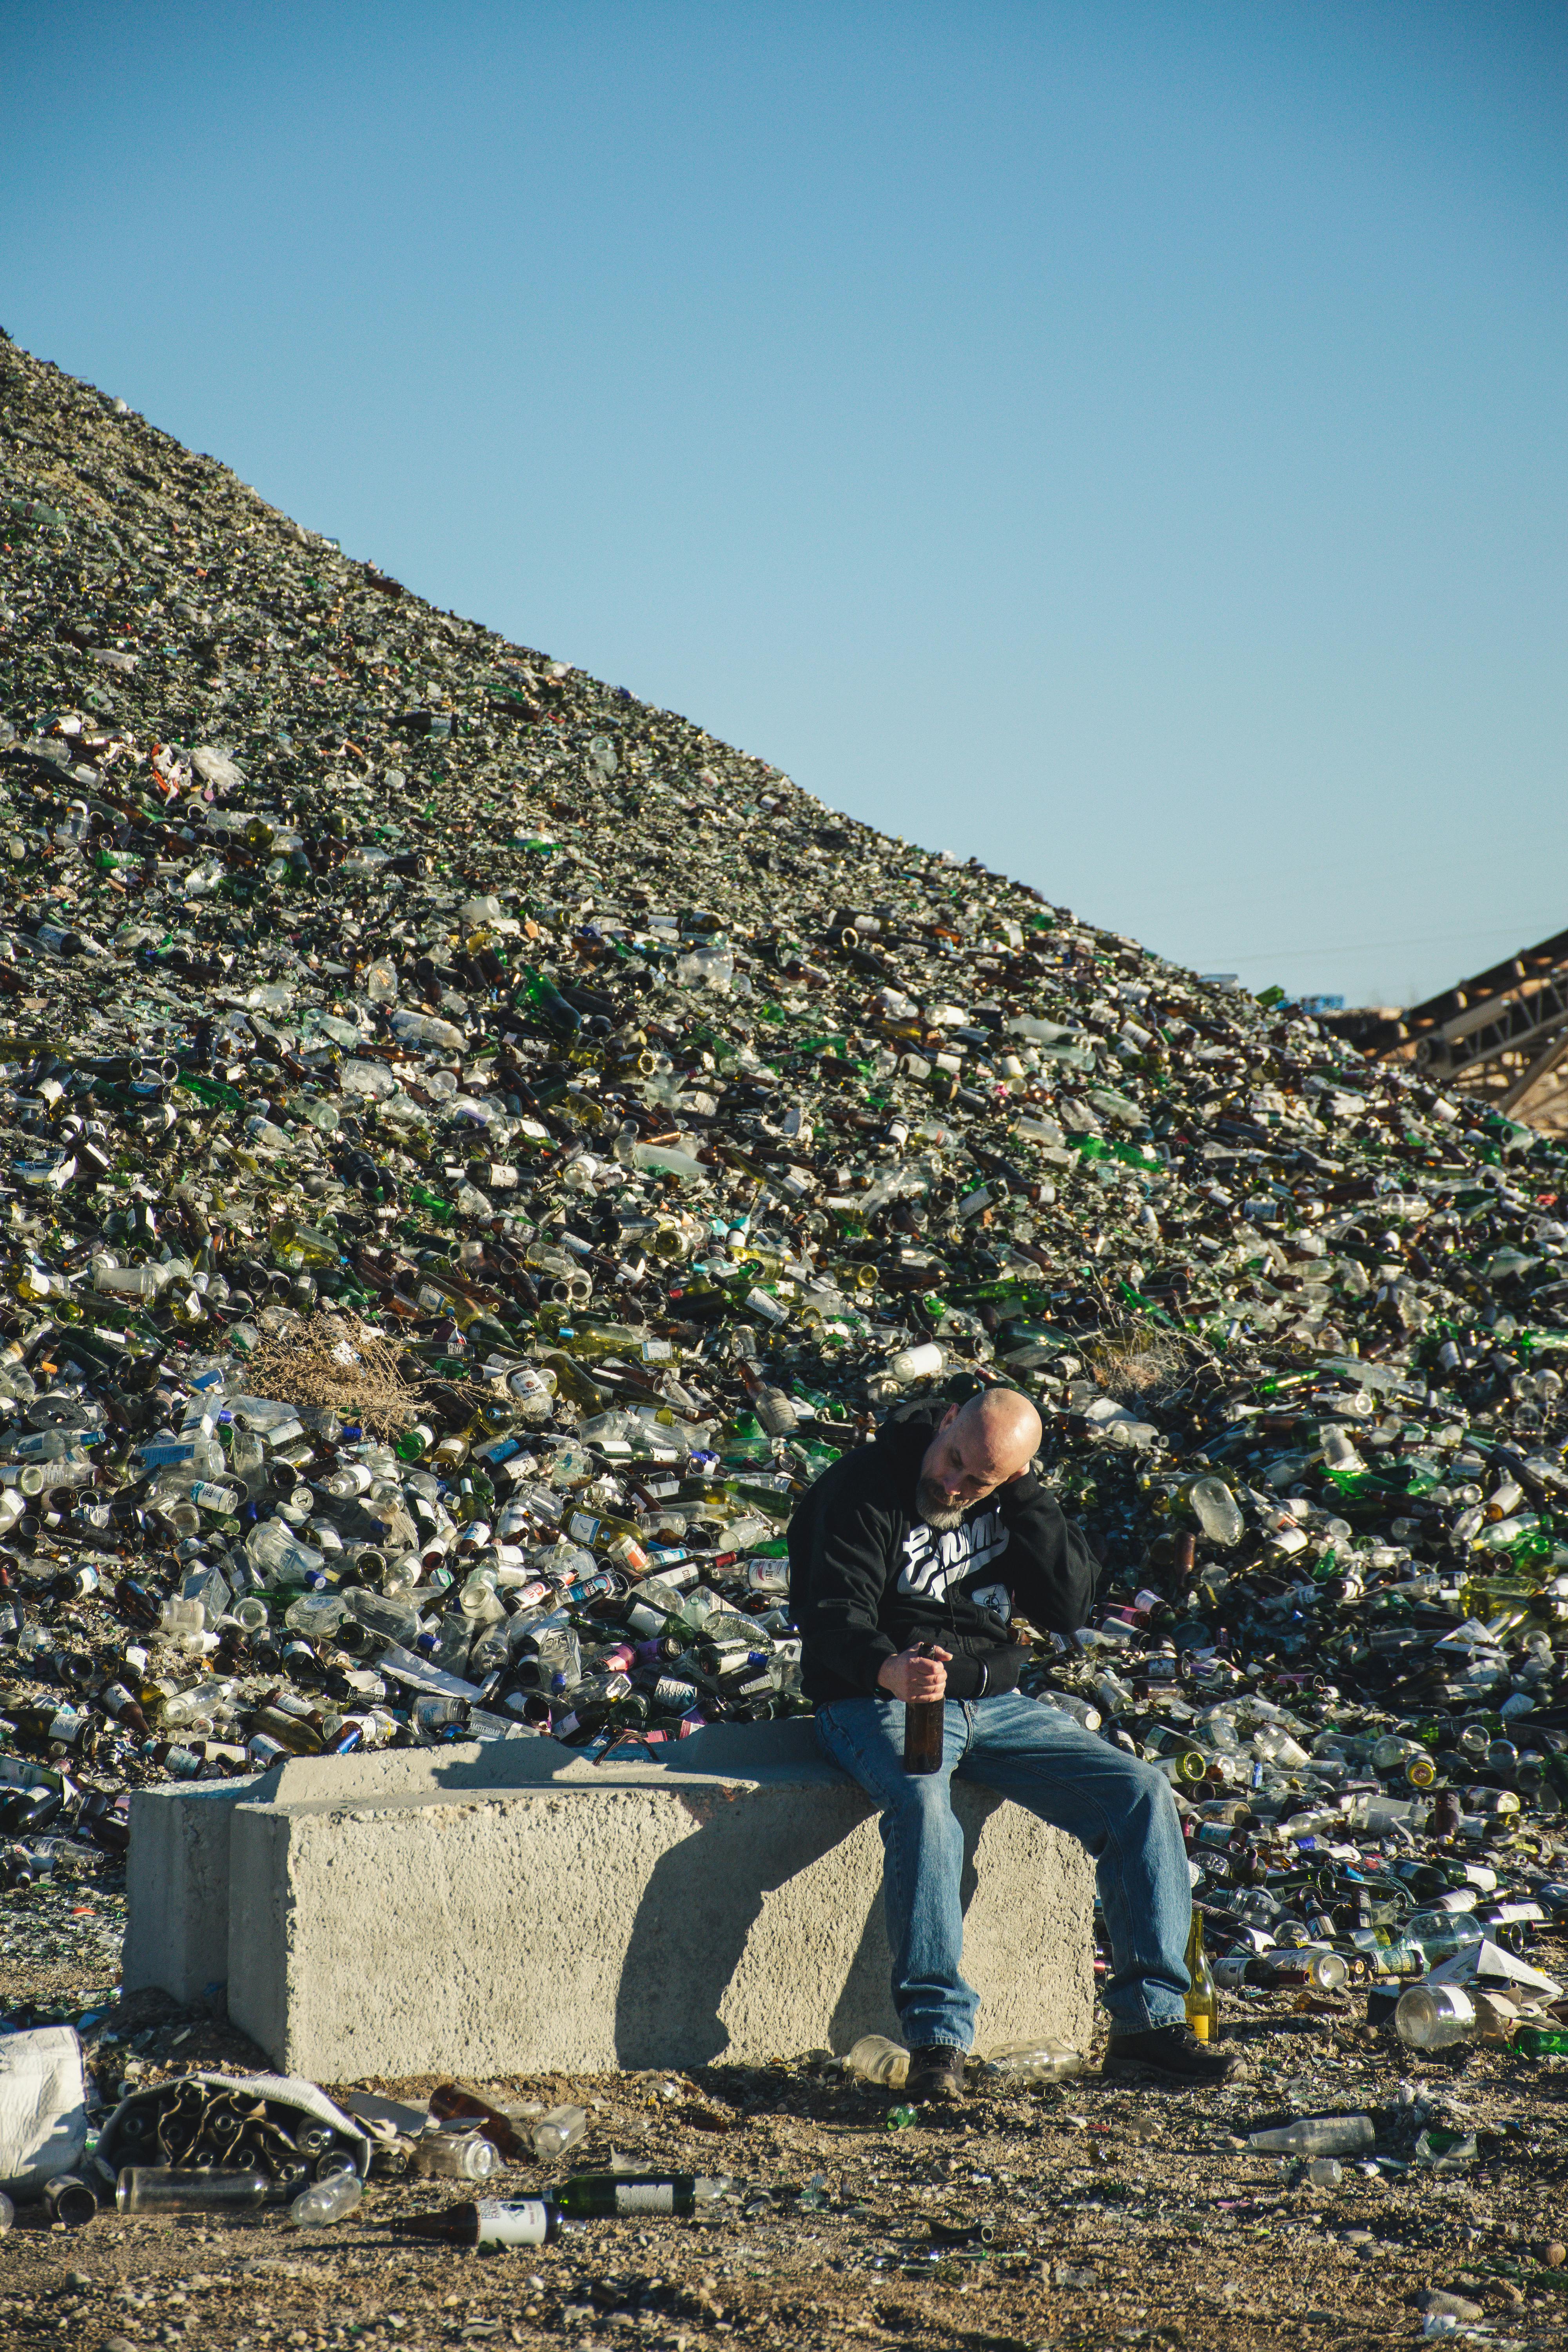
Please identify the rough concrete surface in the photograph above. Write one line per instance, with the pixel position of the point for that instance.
(176, 1929)
(465, 1908)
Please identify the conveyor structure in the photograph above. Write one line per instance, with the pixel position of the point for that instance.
(1501, 1036)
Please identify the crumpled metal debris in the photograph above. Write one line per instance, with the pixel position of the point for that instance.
(277, 2125)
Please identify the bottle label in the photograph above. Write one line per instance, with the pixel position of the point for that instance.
(1200, 2025)
(524, 2222)
(647, 2197)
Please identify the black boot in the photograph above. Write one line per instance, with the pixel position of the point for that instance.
(936, 2073)
(1170, 2055)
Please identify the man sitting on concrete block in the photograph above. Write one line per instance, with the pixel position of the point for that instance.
(906, 1561)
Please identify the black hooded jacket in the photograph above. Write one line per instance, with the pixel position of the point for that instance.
(868, 1577)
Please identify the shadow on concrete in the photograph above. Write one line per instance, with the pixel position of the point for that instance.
(706, 1896)
(698, 1912)
(866, 2004)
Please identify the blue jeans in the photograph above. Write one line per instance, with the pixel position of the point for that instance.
(1122, 1811)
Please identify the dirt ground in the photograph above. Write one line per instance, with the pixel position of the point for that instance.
(1116, 2216)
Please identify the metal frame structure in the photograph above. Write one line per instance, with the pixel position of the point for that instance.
(1502, 1035)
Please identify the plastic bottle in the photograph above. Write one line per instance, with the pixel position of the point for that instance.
(876, 2059)
(280, 1555)
(1215, 1508)
(326, 2200)
(389, 1620)
(316, 1614)
(425, 1029)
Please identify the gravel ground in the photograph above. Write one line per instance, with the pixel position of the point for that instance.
(1116, 2216)
(60, 1942)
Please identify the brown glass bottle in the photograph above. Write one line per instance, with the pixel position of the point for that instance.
(923, 1720)
(522, 2222)
(452, 2099)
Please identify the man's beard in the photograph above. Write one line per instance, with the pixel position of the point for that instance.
(937, 1513)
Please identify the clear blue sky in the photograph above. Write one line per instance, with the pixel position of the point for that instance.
(1123, 441)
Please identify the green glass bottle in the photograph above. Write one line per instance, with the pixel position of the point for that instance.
(1203, 1996)
(572, 1381)
(1541, 2041)
(540, 995)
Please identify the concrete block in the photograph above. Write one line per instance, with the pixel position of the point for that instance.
(509, 1907)
(177, 1871)
(176, 1927)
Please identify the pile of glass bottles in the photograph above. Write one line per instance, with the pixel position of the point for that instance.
(476, 1147)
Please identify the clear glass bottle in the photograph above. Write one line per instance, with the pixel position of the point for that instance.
(1045, 2059)
(1433, 2017)
(1317, 2136)
(159, 2188)
(326, 2200)
(876, 2059)
(562, 2128)
(445, 2154)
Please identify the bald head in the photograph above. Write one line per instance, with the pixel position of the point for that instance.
(978, 1446)
(1001, 1429)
